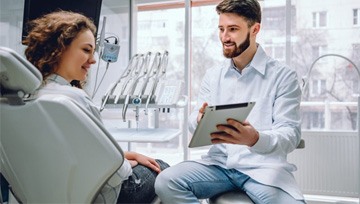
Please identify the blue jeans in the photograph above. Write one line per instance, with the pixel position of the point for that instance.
(189, 181)
(4, 187)
(139, 187)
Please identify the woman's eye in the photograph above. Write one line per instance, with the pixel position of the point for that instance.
(87, 50)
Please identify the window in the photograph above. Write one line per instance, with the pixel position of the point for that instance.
(277, 51)
(274, 18)
(157, 30)
(306, 44)
(317, 120)
(319, 19)
(356, 16)
(355, 87)
(356, 52)
(337, 120)
(315, 52)
(144, 25)
(313, 119)
(318, 51)
(318, 87)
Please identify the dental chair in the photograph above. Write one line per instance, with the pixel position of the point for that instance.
(238, 196)
(52, 150)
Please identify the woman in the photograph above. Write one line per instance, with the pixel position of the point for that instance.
(62, 45)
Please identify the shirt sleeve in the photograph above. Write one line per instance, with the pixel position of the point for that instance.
(204, 96)
(285, 132)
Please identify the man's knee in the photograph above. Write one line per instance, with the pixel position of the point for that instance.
(164, 180)
(160, 181)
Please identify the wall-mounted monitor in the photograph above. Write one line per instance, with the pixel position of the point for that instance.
(36, 8)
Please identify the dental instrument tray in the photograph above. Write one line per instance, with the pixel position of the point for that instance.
(215, 115)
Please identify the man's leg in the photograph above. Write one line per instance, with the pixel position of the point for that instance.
(189, 181)
(261, 193)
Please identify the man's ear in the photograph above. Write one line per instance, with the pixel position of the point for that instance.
(255, 28)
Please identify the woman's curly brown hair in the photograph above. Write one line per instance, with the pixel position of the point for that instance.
(50, 35)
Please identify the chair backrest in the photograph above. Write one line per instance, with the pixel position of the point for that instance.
(52, 150)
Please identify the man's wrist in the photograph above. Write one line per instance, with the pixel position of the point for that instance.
(256, 138)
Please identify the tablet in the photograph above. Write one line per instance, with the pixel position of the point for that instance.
(215, 115)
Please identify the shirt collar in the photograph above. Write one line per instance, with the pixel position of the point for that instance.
(57, 79)
(258, 62)
(232, 66)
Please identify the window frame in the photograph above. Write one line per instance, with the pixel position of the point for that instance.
(356, 17)
(317, 19)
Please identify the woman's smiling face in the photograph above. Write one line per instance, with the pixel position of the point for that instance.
(78, 57)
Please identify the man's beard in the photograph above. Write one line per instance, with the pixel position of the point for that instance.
(238, 50)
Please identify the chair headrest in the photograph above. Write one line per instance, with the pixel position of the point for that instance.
(17, 74)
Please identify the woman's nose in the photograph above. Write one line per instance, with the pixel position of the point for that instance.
(92, 59)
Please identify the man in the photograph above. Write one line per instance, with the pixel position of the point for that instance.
(251, 157)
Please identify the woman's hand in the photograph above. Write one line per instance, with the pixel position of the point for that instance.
(136, 158)
(133, 163)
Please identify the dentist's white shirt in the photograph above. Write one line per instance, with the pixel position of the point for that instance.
(275, 89)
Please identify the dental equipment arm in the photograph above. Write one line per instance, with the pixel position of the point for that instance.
(113, 86)
(150, 73)
(136, 75)
(160, 72)
(133, 68)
